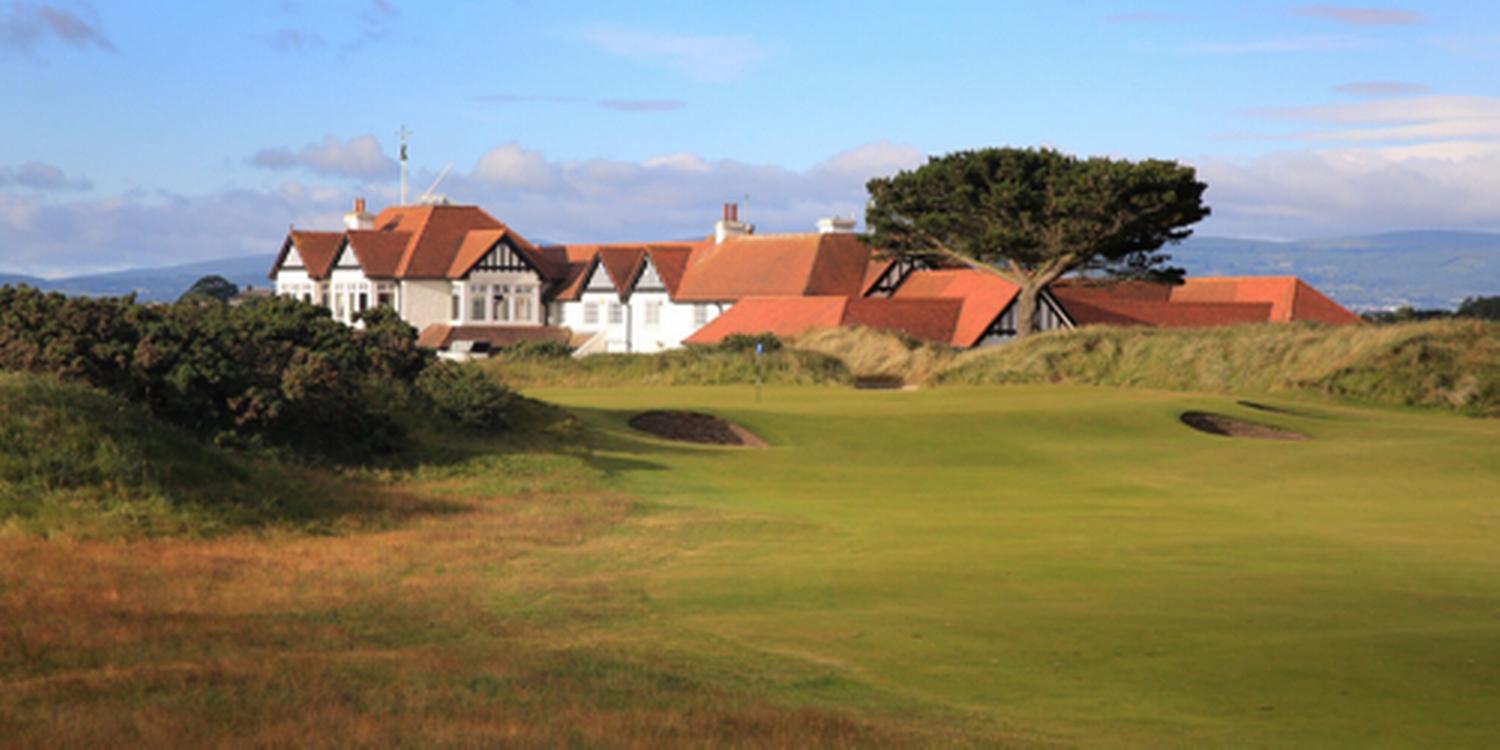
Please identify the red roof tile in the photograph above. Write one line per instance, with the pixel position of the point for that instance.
(932, 320)
(622, 263)
(984, 295)
(782, 316)
(437, 232)
(1087, 310)
(671, 262)
(1199, 302)
(317, 250)
(775, 265)
(379, 253)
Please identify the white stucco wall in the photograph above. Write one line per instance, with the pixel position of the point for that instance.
(425, 302)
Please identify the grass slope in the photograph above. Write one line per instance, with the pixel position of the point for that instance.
(1451, 364)
(1073, 565)
(78, 462)
(687, 366)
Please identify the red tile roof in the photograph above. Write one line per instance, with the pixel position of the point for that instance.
(379, 253)
(876, 269)
(671, 262)
(437, 233)
(932, 320)
(1087, 311)
(317, 250)
(782, 316)
(622, 263)
(441, 336)
(984, 296)
(1200, 302)
(925, 319)
(775, 265)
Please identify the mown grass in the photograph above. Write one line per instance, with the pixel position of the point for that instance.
(1075, 566)
(1452, 364)
(687, 366)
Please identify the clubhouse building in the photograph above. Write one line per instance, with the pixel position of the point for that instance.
(470, 284)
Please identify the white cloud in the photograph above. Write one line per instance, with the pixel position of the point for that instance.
(359, 158)
(1360, 190)
(514, 167)
(709, 58)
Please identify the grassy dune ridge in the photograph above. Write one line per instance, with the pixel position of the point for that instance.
(1450, 364)
(687, 366)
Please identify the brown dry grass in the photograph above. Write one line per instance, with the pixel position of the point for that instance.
(875, 354)
(511, 620)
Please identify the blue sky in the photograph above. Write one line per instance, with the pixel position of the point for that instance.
(139, 134)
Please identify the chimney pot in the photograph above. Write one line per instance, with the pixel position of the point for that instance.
(359, 205)
(734, 212)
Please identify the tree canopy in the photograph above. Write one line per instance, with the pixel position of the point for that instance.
(211, 287)
(1032, 215)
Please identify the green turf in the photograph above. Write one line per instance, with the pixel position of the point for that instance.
(1073, 563)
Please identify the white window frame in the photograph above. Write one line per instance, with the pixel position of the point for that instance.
(591, 313)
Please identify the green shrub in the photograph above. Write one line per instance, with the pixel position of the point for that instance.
(746, 342)
(467, 395)
(273, 372)
(538, 350)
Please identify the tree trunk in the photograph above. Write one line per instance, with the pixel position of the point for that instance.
(1026, 301)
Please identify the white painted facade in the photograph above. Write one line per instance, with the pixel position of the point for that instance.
(292, 279)
(645, 320)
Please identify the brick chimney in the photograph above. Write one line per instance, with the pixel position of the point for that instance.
(730, 225)
(359, 218)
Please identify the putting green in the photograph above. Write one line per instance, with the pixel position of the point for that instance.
(1076, 563)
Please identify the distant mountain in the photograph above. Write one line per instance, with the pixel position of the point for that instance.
(1421, 268)
(156, 284)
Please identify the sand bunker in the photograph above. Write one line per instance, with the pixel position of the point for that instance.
(694, 427)
(1218, 424)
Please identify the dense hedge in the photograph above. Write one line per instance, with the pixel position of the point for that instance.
(274, 371)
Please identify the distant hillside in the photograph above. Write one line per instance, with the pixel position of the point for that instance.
(1421, 269)
(156, 284)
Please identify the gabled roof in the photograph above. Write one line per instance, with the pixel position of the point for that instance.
(984, 296)
(775, 265)
(622, 264)
(671, 262)
(379, 253)
(317, 250)
(873, 272)
(572, 265)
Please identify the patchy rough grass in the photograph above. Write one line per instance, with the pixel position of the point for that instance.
(1452, 364)
(873, 354)
(517, 616)
(686, 366)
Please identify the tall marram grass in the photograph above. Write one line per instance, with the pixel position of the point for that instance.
(1450, 363)
(687, 366)
(874, 354)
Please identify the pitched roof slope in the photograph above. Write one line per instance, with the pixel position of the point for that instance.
(440, 336)
(317, 250)
(671, 262)
(932, 320)
(984, 296)
(437, 232)
(379, 253)
(782, 316)
(1200, 302)
(775, 266)
(621, 264)
(1095, 311)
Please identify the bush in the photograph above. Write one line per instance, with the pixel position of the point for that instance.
(467, 395)
(274, 372)
(746, 342)
(538, 350)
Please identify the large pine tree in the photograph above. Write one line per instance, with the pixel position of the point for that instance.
(1032, 215)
